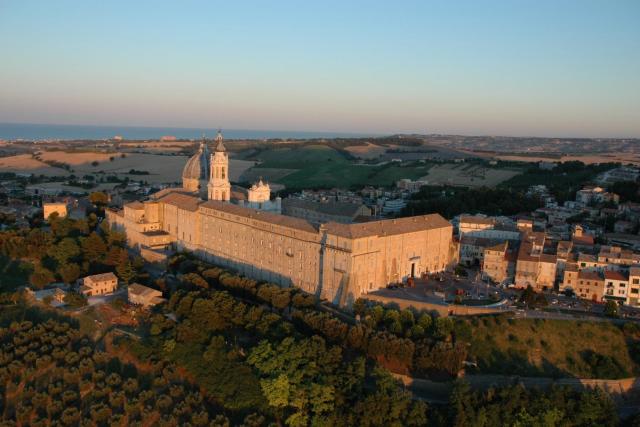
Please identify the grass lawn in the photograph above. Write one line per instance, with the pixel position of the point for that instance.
(561, 348)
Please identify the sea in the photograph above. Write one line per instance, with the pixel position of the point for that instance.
(39, 132)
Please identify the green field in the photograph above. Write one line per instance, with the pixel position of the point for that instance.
(556, 348)
(321, 166)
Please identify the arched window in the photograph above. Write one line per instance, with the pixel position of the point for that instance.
(223, 174)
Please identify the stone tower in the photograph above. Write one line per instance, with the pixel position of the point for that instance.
(219, 186)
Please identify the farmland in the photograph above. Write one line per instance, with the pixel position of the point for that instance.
(160, 168)
(468, 175)
(321, 166)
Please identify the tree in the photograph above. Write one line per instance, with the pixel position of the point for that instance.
(92, 220)
(69, 272)
(65, 250)
(531, 299)
(99, 198)
(41, 277)
(125, 271)
(276, 391)
(425, 321)
(628, 191)
(74, 299)
(611, 309)
(93, 247)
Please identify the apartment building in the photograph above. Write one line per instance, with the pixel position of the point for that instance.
(534, 266)
(499, 262)
(616, 286)
(633, 294)
(590, 285)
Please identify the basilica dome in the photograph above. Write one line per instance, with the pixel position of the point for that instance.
(196, 169)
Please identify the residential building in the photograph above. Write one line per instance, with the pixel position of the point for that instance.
(590, 285)
(393, 206)
(535, 267)
(99, 284)
(411, 186)
(633, 295)
(499, 263)
(50, 208)
(473, 223)
(570, 280)
(624, 173)
(590, 194)
(143, 295)
(616, 286)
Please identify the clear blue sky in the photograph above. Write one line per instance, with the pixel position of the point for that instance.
(548, 68)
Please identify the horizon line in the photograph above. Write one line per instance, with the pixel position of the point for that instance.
(354, 133)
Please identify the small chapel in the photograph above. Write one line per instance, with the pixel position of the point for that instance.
(207, 175)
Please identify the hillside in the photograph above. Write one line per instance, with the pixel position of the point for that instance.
(554, 348)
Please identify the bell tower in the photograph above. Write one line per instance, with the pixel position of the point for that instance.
(219, 187)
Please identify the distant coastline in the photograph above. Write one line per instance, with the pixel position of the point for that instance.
(37, 132)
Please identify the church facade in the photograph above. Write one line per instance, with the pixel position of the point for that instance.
(338, 262)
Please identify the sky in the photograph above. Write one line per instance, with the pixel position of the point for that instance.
(513, 67)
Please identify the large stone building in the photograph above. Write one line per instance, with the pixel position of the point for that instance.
(338, 262)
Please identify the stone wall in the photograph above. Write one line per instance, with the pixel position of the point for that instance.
(442, 309)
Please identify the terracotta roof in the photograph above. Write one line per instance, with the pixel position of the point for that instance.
(582, 257)
(267, 217)
(388, 227)
(537, 237)
(102, 277)
(138, 289)
(589, 275)
(475, 219)
(571, 267)
(634, 271)
(614, 275)
(583, 240)
(164, 192)
(184, 201)
(548, 258)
